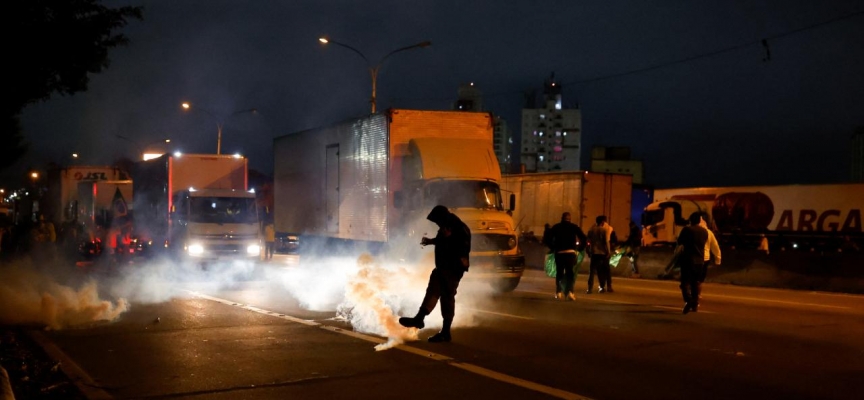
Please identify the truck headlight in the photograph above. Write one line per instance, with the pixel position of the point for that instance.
(511, 243)
(253, 249)
(196, 249)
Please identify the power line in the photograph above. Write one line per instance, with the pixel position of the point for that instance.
(764, 42)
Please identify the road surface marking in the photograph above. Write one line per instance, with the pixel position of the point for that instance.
(537, 387)
(496, 313)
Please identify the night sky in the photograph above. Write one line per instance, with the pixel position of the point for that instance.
(688, 85)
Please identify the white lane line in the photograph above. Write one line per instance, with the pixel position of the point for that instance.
(561, 394)
(496, 313)
(254, 309)
(537, 387)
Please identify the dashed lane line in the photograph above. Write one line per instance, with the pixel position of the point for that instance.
(496, 313)
(537, 387)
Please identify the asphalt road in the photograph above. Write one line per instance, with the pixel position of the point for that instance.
(254, 340)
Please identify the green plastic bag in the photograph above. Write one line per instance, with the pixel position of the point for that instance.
(616, 257)
(551, 269)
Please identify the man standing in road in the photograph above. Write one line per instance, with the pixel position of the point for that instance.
(634, 244)
(566, 239)
(269, 240)
(600, 248)
(452, 245)
(712, 256)
(691, 260)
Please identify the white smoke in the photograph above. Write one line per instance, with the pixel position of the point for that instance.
(30, 296)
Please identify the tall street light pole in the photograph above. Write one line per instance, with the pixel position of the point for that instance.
(373, 69)
(220, 121)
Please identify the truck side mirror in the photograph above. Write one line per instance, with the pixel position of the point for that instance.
(512, 201)
(397, 199)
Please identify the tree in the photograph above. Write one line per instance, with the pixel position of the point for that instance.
(57, 45)
(12, 144)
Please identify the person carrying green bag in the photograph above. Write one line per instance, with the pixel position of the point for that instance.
(566, 241)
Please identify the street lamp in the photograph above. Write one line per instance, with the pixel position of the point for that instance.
(220, 121)
(373, 70)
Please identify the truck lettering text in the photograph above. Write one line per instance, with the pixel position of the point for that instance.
(828, 221)
(91, 176)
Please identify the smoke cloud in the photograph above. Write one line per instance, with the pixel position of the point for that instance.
(31, 297)
(369, 291)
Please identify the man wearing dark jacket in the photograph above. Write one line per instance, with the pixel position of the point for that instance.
(691, 260)
(452, 245)
(565, 239)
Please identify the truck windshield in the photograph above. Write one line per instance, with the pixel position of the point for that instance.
(222, 210)
(464, 194)
(653, 217)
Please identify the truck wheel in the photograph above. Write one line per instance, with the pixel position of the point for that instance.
(507, 284)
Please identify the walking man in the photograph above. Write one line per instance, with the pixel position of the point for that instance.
(712, 255)
(691, 261)
(269, 240)
(566, 239)
(600, 248)
(452, 245)
(634, 244)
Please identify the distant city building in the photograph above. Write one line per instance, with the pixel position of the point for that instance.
(616, 160)
(551, 134)
(858, 155)
(470, 98)
(502, 143)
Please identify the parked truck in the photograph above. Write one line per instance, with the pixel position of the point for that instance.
(61, 199)
(541, 198)
(103, 218)
(197, 206)
(811, 216)
(373, 180)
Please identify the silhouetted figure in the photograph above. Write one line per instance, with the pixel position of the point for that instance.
(269, 240)
(452, 245)
(691, 260)
(634, 245)
(566, 240)
(600, 248)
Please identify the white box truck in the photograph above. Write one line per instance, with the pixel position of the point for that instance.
(541, 198)
(62, 197)
(197, 206)
(374, 179)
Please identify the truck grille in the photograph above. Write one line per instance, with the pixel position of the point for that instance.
(490, 242)
(241, 236)
(227, 248)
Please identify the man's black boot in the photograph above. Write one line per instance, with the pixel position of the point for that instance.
(415, 322)
(444, 335)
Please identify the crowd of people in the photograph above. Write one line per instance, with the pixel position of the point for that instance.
(697, 249)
